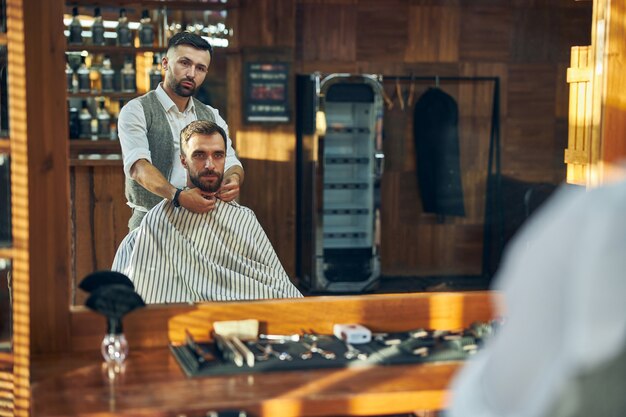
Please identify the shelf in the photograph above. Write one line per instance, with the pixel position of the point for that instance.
(346, 211)
(95, 146)
(344, 206)
(344, 129)
(338, 159)
(6, 253)
(170, 4)
(345, 232)
(113, 49)
(114, 95)
(6, 357)
(131, 50)
(346, 186)
(5, 145)
(77, 162)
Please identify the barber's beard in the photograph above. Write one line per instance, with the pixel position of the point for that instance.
(203, 184)
(183, 91)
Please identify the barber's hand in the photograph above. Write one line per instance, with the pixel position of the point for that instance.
(229, 189)
(196, 200)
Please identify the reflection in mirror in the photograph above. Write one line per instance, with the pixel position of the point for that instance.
(419, 249)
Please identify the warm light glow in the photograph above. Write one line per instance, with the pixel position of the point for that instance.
(19, 198)
(600, 36)
(446, 311)
(266, 145)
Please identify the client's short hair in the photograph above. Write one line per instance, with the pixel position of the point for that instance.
(200, 127)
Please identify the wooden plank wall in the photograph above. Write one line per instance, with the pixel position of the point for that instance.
(614, 124)
(99, 218)
(524, 42)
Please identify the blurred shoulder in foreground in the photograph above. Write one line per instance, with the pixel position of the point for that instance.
(562, 350)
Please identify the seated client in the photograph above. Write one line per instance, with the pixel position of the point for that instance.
(224, 254)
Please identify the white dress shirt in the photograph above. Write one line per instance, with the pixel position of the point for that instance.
(564, 282)
(132, 132)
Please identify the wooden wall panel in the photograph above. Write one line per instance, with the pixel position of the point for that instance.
(266, 23)
(534, 26)
(382, 30)
(269, 188)
(613, 150)
(573, 26)
(486, 33)
(100, 220)
(82, 231)
(530, 150)
(433, 34)
(326, 32)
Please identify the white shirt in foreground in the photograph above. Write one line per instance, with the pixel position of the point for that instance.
(178, 256)
(564, 283)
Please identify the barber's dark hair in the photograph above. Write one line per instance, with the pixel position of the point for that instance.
(191, 39)
(200, 127)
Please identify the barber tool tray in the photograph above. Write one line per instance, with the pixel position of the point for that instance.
(228, 355)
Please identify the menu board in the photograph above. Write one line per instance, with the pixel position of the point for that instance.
(266, 93)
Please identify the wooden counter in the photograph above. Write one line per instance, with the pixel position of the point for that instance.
(154, 385)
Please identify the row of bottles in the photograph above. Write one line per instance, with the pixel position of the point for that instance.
(94, 120)
(101, 77)
(154, 29)
(123, 33)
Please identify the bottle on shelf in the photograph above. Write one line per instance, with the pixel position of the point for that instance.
(82, 73)
(146, 30)
(69, 77)
(74, 122)
(124, 35)
(128, 77)
(154, 74)
(84, 119)
(97, 29)
(104, 121)
(76, 31)
(107, 76)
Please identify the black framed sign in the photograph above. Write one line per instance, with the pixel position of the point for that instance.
(266, 93)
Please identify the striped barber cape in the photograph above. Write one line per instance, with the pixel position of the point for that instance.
(178, 256)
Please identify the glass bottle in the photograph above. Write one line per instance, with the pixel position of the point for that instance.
(114, 348)
(104, 121)
(69, 77)
(154, 74)
(146, 30)
(85, 120)
(124, 35)
(76, 31)
(107, 76)
(82, 73)
(74, 122)
(97, 29)
(128, 77)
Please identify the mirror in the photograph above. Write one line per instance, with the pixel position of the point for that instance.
(525, 47)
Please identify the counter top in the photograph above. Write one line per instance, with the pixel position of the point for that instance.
(152, 384)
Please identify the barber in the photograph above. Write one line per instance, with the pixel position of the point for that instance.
(149, 127)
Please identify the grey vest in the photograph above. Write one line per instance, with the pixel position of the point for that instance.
(161, 145)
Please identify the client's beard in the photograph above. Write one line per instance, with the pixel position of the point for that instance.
(209, 188)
